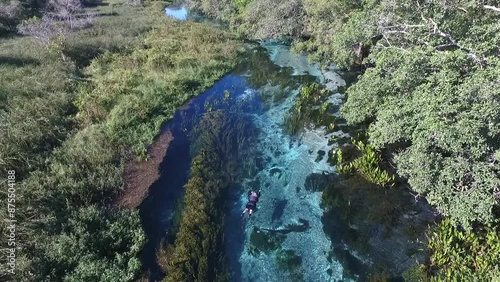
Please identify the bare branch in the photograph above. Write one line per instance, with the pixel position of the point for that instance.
(491, 8)
(445, 46)
(44, 29)
(417, 196)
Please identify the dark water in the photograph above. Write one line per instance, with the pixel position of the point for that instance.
(290, 237)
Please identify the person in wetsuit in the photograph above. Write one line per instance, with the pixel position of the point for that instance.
(253, 198)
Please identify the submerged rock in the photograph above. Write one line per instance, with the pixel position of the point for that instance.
(265, 241)
(316, 182)
(273, 171)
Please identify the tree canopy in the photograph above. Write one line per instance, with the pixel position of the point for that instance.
(430, 91)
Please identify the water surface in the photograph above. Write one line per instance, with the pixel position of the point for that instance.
(179, 13)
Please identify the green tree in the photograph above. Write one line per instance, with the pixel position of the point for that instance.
(434, 95)
(94, 245)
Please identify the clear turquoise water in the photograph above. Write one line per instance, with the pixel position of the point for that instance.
(263, 88)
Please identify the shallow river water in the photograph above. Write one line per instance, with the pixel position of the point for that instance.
(289, 220)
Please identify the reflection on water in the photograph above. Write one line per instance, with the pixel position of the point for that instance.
(179, 13)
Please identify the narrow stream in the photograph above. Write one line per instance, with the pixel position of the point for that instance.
(289, 222)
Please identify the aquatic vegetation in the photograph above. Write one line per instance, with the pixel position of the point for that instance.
(462, 255)
(305, 109)
(379, 277)
(265, 241)
(324, 108)
(316, 182)
(288, 260)
(263, 73)
(198, 249)
(368, 164)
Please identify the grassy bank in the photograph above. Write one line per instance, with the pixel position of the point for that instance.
(428, 97)
(73, 113)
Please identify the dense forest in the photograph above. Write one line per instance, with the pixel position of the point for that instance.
(85, 86)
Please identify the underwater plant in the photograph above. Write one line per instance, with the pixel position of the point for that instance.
(368, 164)
(198, 253)
(310, 107)
(289, 261)
(266, 241)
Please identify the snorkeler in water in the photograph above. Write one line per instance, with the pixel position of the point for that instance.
(253, 198)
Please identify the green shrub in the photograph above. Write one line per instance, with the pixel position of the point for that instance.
(95, 245)
(416, 273)
(459, 255)
(368, 164)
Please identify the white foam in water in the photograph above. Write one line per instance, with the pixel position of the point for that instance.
(292, 155)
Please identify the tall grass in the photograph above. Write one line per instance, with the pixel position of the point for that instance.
(69, 121)
(134, 94)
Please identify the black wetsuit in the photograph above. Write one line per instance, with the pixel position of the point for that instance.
(252, 200)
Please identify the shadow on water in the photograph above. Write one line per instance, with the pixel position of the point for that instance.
(157, 209)
(279, 209)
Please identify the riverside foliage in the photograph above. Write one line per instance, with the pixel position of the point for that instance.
(368, 164)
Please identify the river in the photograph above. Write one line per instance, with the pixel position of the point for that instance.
(290, 237)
